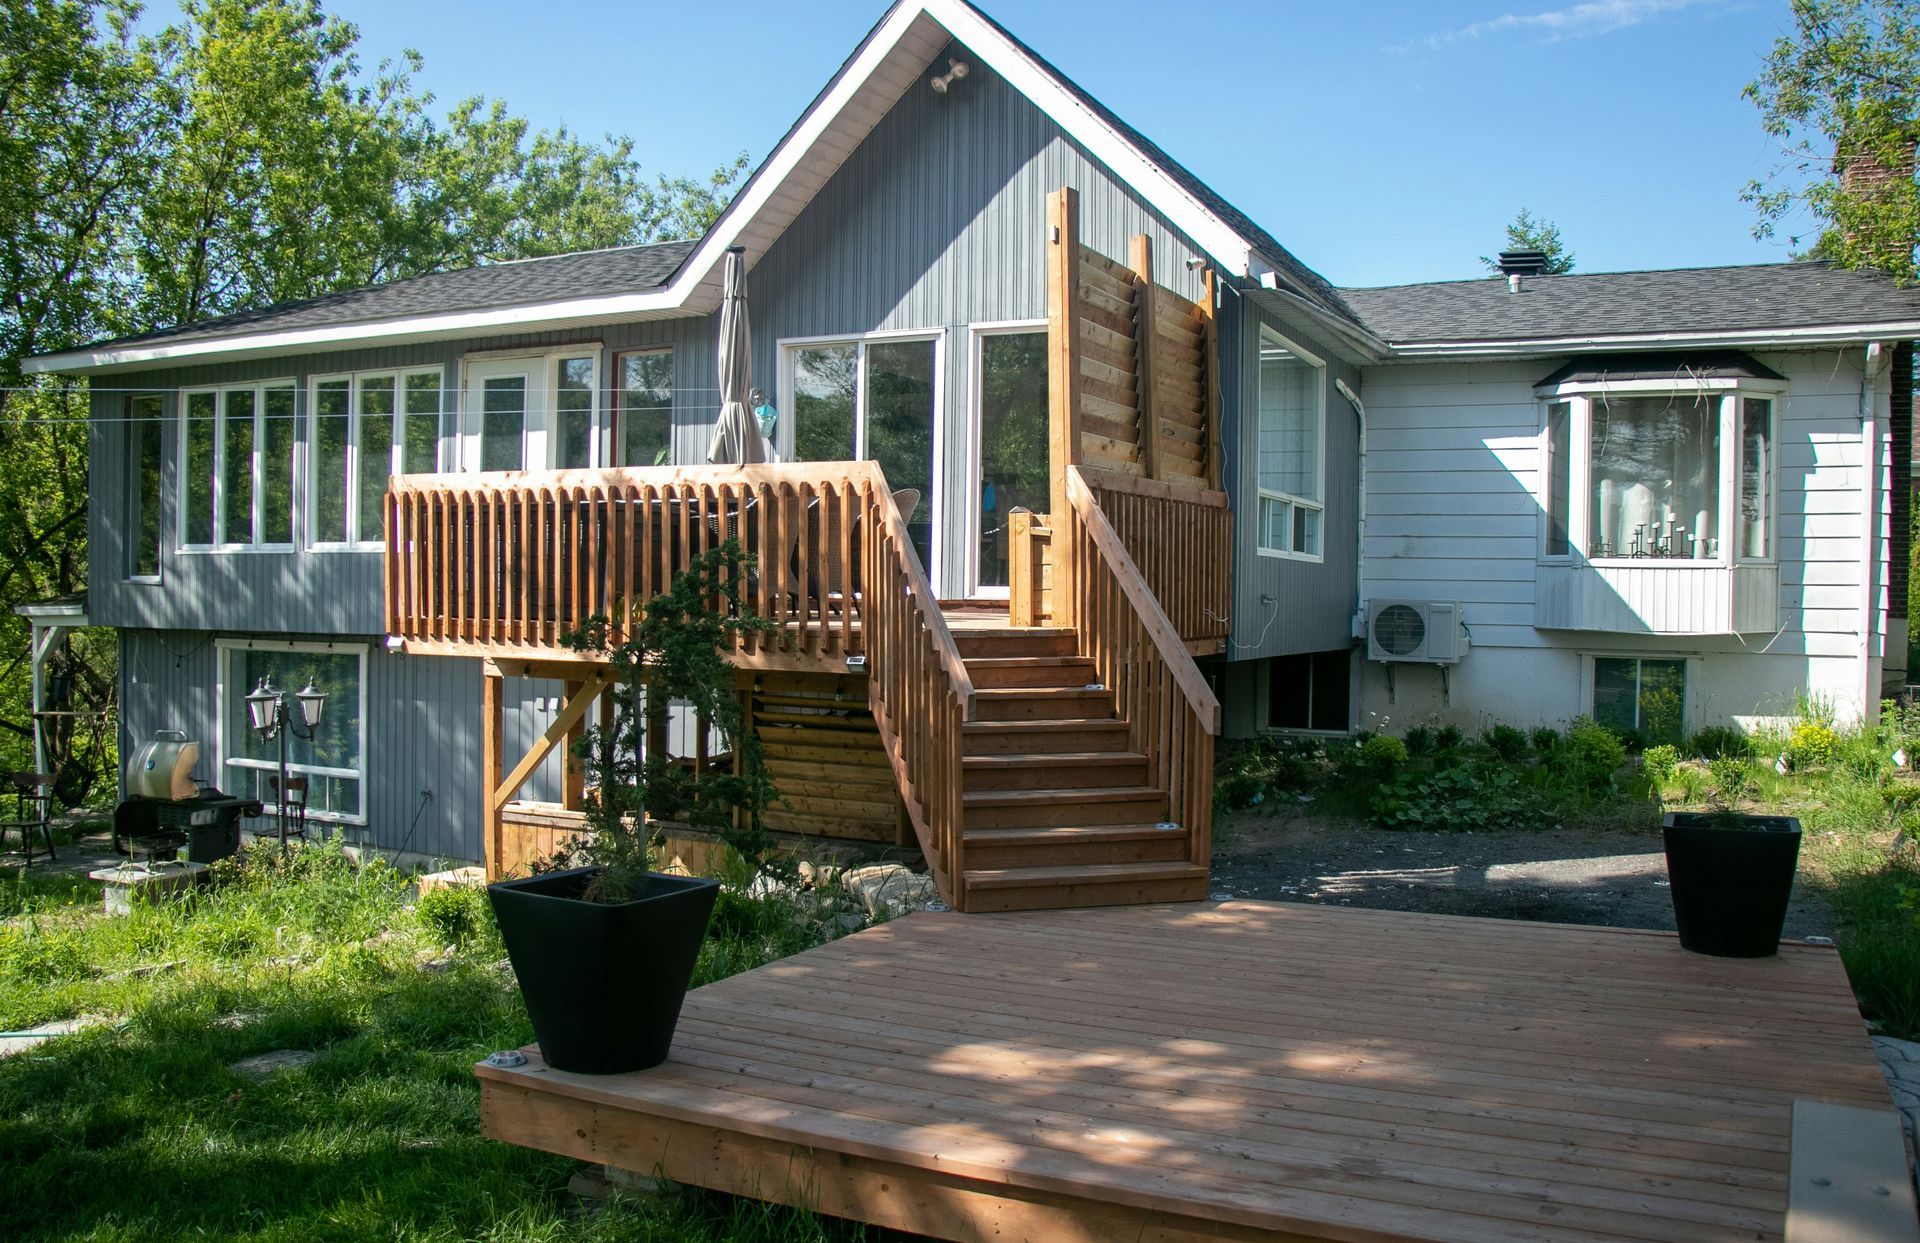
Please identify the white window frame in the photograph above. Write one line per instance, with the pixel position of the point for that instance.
(224, 685)
(976, 440)
(1320, 458)
(1689, 697)
(788, 346)
(396, 453)
(1730, 393)
(219, 392)
(540, 446)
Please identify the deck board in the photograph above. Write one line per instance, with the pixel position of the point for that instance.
(1239, 1070)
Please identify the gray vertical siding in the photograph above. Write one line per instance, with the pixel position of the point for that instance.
(1314, 601)
(421, 734)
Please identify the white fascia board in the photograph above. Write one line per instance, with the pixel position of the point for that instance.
(1785, 338)
(1210, 233)
(538, 317)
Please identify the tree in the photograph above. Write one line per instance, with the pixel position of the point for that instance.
(1839, 93)
(1528, 233)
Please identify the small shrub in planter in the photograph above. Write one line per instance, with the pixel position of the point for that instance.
(604, 949)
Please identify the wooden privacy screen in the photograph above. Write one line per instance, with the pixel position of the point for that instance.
(1137, 358)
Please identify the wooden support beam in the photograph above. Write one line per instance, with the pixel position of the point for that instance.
(1145, 315)
(1063, 370)
(580, 697)
(492, 728)
(573, 795)
(1210, 426)
(1023, 585)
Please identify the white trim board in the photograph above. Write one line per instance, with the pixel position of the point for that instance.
(886, 65)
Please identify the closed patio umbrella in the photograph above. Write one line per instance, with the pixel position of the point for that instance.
(736, 438)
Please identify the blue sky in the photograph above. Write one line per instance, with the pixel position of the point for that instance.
(1382, 142)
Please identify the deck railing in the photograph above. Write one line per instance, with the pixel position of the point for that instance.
(919, 689)
(508, 563)
(1181, 540)
(1171, 713)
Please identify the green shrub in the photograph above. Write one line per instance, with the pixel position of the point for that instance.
(1237, 791)
(1590, 755)
(1659, 763)
(1717, 741)
(1466, 798)
(1448, 738)
(1732, 778)
(1544, 739)
(1420, 741)
(1507, 742)
(1811, 744)
(456, 914)
(1383, 753)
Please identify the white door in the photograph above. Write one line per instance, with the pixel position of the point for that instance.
(503, 422)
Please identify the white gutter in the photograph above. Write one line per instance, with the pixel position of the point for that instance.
(1827, 334)
(1877, 358)
(1360, 504)
(1369, 346)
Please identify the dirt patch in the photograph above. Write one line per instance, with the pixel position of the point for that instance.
(1563, 876)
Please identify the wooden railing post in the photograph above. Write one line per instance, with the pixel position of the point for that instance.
(492, 764)
(1022, 584)
(1144, 310)
(1063, 371)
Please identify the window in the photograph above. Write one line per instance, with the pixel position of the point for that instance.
(333, 761)
(1637, 471)
(875, 400)
(1310, 691)
(366, 428)
(146, 430)
(573, 408)
(1015, 451)
(646, 408)
(236, 490)
(1291, 450)
(1644, 697)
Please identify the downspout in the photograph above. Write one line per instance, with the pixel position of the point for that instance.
(1360, 503)
(1876, 362)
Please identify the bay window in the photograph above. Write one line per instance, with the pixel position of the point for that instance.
(1291, 455)
(1641, 472)
(366, 427)
(236, 486)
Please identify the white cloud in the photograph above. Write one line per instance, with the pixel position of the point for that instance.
(1577, 21)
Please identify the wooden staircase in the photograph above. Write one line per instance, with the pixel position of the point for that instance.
(1057, 811)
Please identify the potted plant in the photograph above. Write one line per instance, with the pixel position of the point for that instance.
(1730, 873)
(604, 946)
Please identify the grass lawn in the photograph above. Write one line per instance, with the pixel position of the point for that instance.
(139, 1129)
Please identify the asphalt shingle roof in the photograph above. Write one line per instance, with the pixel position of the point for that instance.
(581, 274)
(1729, 299)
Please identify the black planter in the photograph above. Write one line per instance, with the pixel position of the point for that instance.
(1730, 884)
(603, 982)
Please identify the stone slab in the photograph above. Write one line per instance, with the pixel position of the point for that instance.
(128, 883)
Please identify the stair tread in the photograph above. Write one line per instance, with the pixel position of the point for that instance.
(1027, 662)
(1052, 724)
(1062, 794)
(1033, 692)
(1080, 874)
(1046, 759)
(1071, 833)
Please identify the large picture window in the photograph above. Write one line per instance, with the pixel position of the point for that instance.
(1637, 473)
(236, 488)
(645, 435)
(366, 428)
(333, 761)
(1291, 451)
(146, 436)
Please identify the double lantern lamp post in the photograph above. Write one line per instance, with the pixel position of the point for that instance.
(272, 716)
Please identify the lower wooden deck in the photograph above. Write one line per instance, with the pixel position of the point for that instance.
(1242, 1071)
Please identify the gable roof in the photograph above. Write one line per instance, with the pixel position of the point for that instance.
(1809, 301)
(616, 286)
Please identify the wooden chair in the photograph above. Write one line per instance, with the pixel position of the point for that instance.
(295, 804)
(33, 810)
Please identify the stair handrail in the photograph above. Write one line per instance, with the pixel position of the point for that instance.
(918, 688)
(1153, 618)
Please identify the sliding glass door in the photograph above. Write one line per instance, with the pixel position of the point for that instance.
(878, 400)
(1010, 435)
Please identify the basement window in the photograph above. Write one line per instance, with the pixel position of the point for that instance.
(1310, 691)
(1666, 460)
(1637, 696)
(1291, 456)
(333, 761)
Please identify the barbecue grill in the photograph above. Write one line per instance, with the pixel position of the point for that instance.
(168, 809)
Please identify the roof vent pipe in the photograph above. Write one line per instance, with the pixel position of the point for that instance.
(1513, 282)
(1523, 263)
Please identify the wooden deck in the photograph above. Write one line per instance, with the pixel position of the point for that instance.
(1251, 1071)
